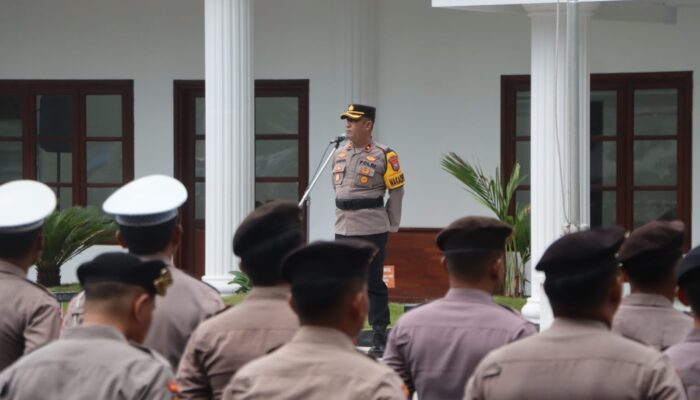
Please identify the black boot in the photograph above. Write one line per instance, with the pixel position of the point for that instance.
(378, 342)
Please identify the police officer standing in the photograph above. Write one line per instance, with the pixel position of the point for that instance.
(101, 359)
(30, 314)
(362, 173)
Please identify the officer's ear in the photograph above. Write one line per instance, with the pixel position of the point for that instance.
(681, 296)
(176, 239)
(142, 307)
(369, 124)
(443, 262)
(120, 239)
(616, 290)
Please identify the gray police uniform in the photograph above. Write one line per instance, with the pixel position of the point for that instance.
(361, 177)
(575, 359)
(319, 363)
(651, 319)
(186, 304)
(31, 316)
(224, 343)
(89, 362)
(685, 357)
(436, 347)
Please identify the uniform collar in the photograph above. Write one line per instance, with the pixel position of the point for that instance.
(12, 269)
(578, 325)
(367, 148)
(85, 332)
(470, 295)
(268, 293)
(324, 336)
(647, 299)
(168, 261)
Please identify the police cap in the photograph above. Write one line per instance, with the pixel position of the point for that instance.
(583, 250)
(24, 204)
(357, 111)
(147, 201)
(152, 275)
(654, 244)
(340, 260)
(474, 234)
(265, 224)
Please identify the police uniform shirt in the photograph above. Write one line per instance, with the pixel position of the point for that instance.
(436, 347)
(685, 358)
(651, 319)
(221, 345)
(360, 174)
(186, 304)
(89, 362)
(31, 315)
(575, 359)
(319, 363)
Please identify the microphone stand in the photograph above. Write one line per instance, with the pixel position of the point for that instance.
(318, 172)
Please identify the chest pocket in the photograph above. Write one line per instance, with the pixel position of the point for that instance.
(338, 172)
(364, 176)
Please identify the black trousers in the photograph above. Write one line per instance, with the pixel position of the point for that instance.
(376, 289)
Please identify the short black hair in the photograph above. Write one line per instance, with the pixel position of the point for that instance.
(580, 288)
(145, 240)
(17, 244)
(661, 267)
(470, 265)
(321, 300)
(690, 286)
(110, 293)
(262, 263)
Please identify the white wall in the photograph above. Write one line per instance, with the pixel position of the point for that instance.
(439, 75)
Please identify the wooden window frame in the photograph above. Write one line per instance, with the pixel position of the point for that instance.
(78, 90)
(624, 85)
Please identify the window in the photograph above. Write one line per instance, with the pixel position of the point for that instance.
(640, 153)
(75, 136)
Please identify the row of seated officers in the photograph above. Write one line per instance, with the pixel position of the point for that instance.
(141, 329)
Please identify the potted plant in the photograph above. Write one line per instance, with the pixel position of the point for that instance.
(497, 194)
(68, 233)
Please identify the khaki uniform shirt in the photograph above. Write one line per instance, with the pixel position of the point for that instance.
(359, 174)
(436, 347)
(685, 357)
(575, 359)
(185, 305)
(30, 316)
(319, 363)
(224, 343)
(651, 319)
(89, 362)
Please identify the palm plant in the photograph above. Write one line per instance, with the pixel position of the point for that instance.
(496, 194)
(242, 280)
(68, 233)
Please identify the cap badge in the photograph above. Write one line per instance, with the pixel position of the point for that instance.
(164, 281)
(351, 107)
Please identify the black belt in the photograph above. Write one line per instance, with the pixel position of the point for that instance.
(358, 204)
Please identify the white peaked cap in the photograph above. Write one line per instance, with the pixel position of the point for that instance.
(146, 201)
(24, 204)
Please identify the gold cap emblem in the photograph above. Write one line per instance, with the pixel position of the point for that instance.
(164, 281)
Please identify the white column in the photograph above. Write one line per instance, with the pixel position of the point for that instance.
(229, 150)
(559, 164)
(360, 51)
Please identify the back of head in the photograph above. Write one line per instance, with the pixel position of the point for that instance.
(265, 237)
(580, 269)
(688, 278)
(471, 244)
(23, 206)
(323, 274)
(144, 240)
(651, 252)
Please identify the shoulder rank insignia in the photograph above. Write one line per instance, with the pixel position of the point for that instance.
(393, 177)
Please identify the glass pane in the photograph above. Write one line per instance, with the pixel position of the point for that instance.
(276, 115)
(104, 162)
(199, 116)
(603, 113)
(655, 111)
(64, 197)
(199, 158)
(104, 115)
(603, 208)
(199, 200)
(522, 198)
(53, 166)
(655, 162)
(603, 163)
(522, 155)
(97, 196)
(522, 114)
(10, 116)
(649, 206)
(267, 192)
(276, 158)
(10, 161)
(54, 115)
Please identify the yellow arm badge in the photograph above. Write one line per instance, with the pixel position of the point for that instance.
(393, 177)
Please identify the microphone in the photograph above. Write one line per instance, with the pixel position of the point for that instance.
(338, 139)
